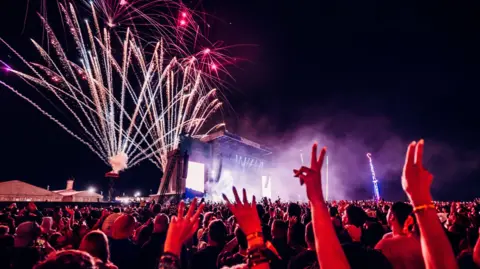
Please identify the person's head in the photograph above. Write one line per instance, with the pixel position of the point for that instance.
(108, 223)
(207, 218)
(47, 224)
(142, 235)
(359, 256)
(355, 216)
(333, 211)
(4, 230)
(472, 237)
(123, 227)
(217, 232)
(57, 213)
(96, 244)
(68, 259)
(373, 233)
(57, 241)
(156, 209)
(241, 238)
(459, 223)
(294, 210)
(26, 234)
(310, 236)
(279, 229)
(31, 207)
(160, 224)
(398, 214)
(260, 211)
(82, 230)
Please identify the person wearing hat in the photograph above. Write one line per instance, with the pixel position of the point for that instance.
(123, 252)
(25, 253)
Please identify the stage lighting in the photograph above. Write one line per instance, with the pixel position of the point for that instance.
(92, 190)
(137, 194)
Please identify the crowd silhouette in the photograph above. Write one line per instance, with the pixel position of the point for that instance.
(246, 233)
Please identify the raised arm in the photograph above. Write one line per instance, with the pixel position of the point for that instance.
(248, 220)
(329, 251)
(182, 227)
(416, 181)
(476, 251)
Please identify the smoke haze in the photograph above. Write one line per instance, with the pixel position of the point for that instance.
(348, 138)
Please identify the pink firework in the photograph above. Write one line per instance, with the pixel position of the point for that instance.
(122, 120)
(167, 20)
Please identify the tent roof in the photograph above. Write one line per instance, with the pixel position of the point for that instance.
(20, 188)
(77, 193)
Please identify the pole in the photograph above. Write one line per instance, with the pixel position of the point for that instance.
(374, 179)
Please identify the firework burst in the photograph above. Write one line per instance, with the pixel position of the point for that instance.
(130, 106)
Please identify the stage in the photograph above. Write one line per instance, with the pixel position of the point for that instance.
(210, 166)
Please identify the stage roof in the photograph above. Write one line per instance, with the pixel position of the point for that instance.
(234, 141)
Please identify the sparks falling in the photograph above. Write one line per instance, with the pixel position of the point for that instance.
(131, 102)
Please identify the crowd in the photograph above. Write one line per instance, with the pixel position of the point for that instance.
(248, 234)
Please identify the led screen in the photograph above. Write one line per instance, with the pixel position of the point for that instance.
(196, 177)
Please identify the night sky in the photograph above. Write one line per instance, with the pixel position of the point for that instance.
(413, 66)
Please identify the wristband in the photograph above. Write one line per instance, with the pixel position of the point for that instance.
(423, 207)
(169, 261)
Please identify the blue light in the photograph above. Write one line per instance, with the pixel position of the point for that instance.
(374, 178)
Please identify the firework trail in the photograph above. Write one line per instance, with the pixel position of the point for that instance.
(130, 106)
(172, 21)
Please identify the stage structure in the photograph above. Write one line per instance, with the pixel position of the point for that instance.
(210, 166)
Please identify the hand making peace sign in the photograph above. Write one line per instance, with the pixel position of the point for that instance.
(416, 180)
(312, 176)
(245, 212)
(182, 227)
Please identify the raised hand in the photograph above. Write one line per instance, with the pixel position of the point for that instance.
(70, 211)
(245, 213)
(416, 180)
(105, 213)
(182, 227)
(311, 176)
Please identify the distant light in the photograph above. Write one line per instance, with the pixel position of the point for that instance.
(123, 2)
(92, 190)
(183, 22)
(206, 51)
(184, 14)
(137, 194)
(214, 66)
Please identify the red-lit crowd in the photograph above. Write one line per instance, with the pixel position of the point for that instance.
(245, 233)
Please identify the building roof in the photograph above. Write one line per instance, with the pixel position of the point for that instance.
(77, 193)
(20, 188)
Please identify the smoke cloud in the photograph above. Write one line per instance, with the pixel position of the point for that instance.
(348, 139)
